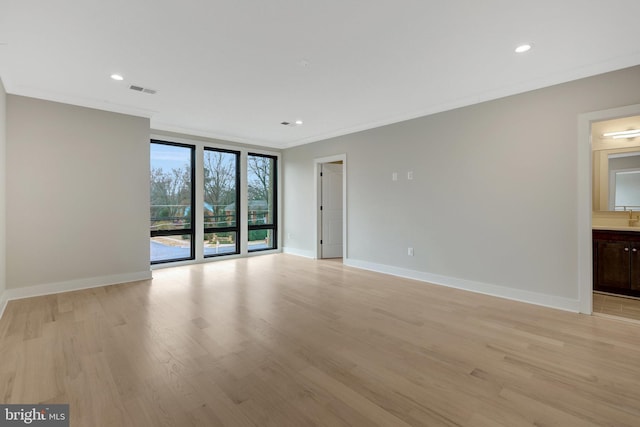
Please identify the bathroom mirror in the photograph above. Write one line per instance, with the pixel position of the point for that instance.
(616, 166)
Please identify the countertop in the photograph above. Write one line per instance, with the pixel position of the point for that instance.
(616, 228)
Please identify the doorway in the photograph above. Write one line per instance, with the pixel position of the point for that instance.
(331, 203)
(591, 198)
(615, 191)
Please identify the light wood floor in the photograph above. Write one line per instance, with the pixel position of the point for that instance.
(280, 340)
(614, 305)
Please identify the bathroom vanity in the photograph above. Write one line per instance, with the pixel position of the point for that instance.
(616, 261)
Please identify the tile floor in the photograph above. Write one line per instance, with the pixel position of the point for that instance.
(616, 305)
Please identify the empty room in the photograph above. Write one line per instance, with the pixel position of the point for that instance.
(319, 213)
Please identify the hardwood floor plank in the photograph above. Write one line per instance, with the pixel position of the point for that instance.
(375, 414)
(279, 340)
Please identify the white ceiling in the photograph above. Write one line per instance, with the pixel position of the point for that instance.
(235, 69)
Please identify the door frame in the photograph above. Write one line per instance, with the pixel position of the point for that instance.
(585, 192)
(317, 163)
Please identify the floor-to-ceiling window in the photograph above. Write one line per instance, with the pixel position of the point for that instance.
(210, 201)
(262, 210)
(221, 210)
(172, 202)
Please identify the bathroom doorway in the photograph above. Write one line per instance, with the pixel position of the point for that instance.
(613, 155)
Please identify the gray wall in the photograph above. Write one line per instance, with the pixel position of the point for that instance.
(77, 194)
(494, 196)
(3, 212)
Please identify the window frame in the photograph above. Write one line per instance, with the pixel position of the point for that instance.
(274, 222)
(238, 203)
(198, 194)
(192, 231)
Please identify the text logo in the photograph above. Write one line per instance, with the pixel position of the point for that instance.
(34, 415)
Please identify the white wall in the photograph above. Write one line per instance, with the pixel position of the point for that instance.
(77, 197)
(3, 216)
(493, 204)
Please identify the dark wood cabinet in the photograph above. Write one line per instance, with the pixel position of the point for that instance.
(616, 262)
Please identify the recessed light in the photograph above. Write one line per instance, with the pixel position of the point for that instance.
(117, 77)
(298, 122)
(523, 48)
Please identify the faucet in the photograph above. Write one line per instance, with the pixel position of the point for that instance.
(632, 220)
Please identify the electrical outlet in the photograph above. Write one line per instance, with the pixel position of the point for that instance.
(394, 176)
(410, 175)
(410, 251)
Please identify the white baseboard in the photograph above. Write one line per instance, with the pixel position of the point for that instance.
(545, 300)
(299, 252)
(71, 285)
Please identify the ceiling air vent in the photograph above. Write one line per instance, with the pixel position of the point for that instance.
(297, 123)
(143, 89)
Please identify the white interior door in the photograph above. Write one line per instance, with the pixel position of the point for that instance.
(331, 210)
